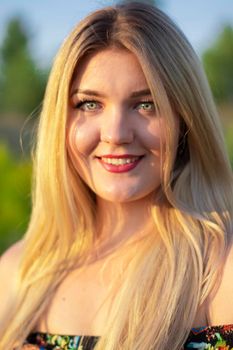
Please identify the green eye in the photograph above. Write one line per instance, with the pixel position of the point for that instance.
(90, 105)
(147, 106)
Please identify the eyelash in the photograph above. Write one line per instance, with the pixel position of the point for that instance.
(148, 102)
(81, 103)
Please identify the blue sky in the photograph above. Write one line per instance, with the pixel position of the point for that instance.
(51, 20)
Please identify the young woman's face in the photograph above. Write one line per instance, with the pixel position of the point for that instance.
(114, 135)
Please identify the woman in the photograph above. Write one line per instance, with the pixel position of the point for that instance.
(130, 239)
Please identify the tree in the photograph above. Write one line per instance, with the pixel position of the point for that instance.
(15, 200)
(218, 63)
(21, 81)
(152, 2)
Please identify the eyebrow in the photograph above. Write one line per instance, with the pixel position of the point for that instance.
(134, 94)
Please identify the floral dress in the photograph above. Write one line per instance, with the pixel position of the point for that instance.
(210, 338)
(204, 338)
(46, 341)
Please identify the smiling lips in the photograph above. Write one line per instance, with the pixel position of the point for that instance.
(119, 164)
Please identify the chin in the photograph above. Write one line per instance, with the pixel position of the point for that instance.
(121, 197)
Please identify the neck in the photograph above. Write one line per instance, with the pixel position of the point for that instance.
(121, 223)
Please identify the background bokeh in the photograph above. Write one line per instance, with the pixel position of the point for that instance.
(30, 34)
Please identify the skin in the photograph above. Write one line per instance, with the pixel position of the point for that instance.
(117, 127)
(115, 124)
(82, 302)
(111, 121)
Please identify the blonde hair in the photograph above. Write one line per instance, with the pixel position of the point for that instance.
(174, 270)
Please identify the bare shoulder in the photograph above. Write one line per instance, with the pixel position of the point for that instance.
(229, 263)
(9, 263)
(221, 307)
(11, 257)
(228, 270)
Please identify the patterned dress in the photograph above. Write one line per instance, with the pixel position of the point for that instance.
(204, 338)
(210, 338)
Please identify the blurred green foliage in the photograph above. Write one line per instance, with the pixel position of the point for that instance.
(218, 64)
(22, 83)
(229, 143)
(158, 3)
(15, 207)
(152, 2)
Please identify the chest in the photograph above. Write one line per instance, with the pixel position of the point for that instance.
(83, 301)
(81, 304)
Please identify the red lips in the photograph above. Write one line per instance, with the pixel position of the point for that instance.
(118, 167)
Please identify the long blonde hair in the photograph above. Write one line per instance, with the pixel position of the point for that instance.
(175, 270)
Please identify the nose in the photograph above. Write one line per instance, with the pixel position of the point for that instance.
(116, 127)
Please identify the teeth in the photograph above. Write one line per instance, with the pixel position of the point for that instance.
(119, 161)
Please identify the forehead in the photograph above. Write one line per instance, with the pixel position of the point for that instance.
(116, 67)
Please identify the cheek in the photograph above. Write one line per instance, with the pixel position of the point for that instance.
(81, 140)
(155, 137)
(82, 137)
(164, 138)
